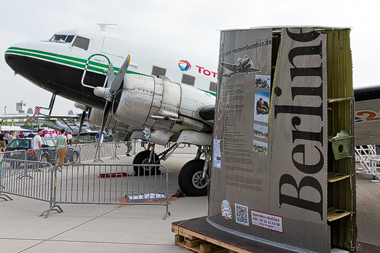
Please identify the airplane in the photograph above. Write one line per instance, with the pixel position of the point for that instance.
(136, 99)
(141, 101)
(242, 65)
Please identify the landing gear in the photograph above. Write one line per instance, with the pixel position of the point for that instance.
(146, 157)
(193, 178)
(190, 178)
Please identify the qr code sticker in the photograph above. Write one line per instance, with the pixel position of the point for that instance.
(241, 214)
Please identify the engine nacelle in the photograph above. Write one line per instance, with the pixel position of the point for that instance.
(120, 130)
(163, 106)
(95, 117)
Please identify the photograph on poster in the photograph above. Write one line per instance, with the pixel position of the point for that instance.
(217, 155)
(262, 81)
(242, 66)
(260, 147)
(261, 106)
(260, 131)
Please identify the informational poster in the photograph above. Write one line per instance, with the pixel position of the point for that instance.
(241, 132)
(270, 134)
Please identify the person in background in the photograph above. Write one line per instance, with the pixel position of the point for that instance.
(54, 135)
(6, 135)
(2, 142)
(37, 140)
(69, 139)
(10, 137)
(31, 135)
(61, 145)
(47, 135)
(21, 135)
(97, 136)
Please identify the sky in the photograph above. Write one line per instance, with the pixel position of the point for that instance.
(190, 26)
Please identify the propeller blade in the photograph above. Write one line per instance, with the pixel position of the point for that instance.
(80, 127)
(111, 75)
(120, 76)
(104, 120)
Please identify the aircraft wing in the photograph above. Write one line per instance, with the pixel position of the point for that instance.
(27, 116)
(254, 70)
(59, 117)
(228, 66)
(15, 116)
(367, 115)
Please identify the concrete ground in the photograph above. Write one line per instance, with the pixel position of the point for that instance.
(109, 228)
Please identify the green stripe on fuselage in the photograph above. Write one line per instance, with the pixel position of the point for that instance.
(47, 53)
(209, 92)
(73, 61)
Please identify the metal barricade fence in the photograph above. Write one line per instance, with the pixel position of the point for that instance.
(113, 150)
(109, 149)
(26, 178)
(84, 183)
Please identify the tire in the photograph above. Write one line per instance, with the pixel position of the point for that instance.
(142, 158)
(189, 178)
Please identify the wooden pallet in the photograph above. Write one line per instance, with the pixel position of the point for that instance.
(201, 243)
(198, 245)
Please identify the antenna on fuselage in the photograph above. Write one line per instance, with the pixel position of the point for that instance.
(103, 26)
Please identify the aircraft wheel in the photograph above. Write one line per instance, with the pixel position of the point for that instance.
(143, 158)
(190, 178)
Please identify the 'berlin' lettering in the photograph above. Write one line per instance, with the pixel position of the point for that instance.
(306, 137)
(297, 201)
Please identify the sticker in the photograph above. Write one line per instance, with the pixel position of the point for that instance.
(226, 210)
(241, 214)
(217, 159)
(267, 221)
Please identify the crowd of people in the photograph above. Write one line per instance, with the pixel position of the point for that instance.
(7, 136)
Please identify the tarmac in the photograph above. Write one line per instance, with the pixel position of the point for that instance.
(112, 228)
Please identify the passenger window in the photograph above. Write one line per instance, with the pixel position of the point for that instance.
(81, 42)
(188, 79)
(157, 71)
(212, 86)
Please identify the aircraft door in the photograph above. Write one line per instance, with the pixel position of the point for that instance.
(95, 71)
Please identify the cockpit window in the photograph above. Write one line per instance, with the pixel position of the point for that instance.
(69, 38)
(61, 38)
(81, 42)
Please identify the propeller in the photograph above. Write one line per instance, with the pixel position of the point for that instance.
(108, 93)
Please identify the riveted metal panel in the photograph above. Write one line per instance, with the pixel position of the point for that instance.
(193, 100)
(171, 99)
(136, 100)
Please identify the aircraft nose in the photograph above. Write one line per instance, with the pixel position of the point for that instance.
(14, 55)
